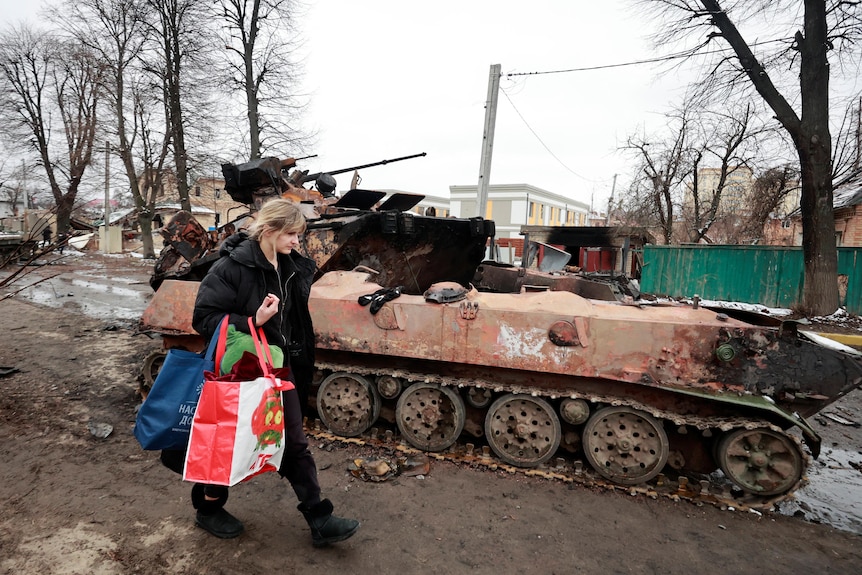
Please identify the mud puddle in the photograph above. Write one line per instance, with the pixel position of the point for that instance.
(833, 495)
(95, 292)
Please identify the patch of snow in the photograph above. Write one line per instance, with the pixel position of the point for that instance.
(753, 307)
(828, 343)
(839, 316)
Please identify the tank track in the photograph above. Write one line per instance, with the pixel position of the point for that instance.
(573, 471)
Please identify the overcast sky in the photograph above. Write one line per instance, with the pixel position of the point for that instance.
(394, 78)
(391, 78)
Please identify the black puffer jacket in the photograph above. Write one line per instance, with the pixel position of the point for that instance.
(237, 284)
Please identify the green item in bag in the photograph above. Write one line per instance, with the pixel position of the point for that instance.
(238, 343)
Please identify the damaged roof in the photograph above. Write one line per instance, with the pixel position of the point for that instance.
(845, 193)
(848, 192)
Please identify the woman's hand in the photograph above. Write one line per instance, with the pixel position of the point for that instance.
(267, 309)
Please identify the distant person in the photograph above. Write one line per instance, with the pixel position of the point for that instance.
(62, 240)
(46, 236)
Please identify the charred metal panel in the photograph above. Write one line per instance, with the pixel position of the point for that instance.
(170, 310)
(509, 279)
(243, 181)
(401, 202)
(415, 252)
(188, 253)
(797, 373)
(186, 236)
(359, 199)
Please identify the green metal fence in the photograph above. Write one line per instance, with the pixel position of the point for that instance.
(768, 275)
(848, 258)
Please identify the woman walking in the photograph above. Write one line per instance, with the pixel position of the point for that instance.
(261, 276)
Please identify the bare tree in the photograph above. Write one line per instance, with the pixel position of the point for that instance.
(117, 31)
(824, 25)
(635, 208)
(847, 150)
(260, 41)
(768, 193)
(723, 142)
(723, 148)
(664, 166)
(179, 35)
(52, 86)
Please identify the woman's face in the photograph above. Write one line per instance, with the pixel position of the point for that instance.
(285, 242)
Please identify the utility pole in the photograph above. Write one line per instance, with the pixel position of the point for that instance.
(858, 159)
(107, 184)
(107, 237)
(488, 140)
(611, 201)
(23, 189)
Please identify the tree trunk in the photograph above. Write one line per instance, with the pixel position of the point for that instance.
(250, 84)
(64, 212)
(813, 142)
(820, 290)
(145, 220)
(173, 66)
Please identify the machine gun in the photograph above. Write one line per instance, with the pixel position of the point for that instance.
(243, 180)
(312, 177)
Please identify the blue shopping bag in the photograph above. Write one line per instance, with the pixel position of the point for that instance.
(164, 419)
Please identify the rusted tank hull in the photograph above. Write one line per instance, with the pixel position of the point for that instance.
(561, 333)
(633, 387)
(629, 387)
(170, 309)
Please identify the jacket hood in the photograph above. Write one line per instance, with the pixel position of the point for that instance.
(231, 243)
(243, 250)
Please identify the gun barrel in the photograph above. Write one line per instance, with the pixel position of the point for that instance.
(312, 177)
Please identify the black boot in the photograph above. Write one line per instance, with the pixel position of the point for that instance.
(211, 515)
(325, 527)
(221, 524)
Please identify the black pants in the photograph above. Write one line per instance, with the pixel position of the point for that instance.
(297, 464)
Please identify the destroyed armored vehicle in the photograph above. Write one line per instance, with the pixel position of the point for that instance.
(633, 387)
(404, 336)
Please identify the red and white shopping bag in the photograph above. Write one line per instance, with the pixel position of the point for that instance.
(238, 427)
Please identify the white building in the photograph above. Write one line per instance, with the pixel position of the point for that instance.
(7, 209)
(514, 205)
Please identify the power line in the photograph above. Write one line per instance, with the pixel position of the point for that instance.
(607, 66)
(667, 58)
(543, 143)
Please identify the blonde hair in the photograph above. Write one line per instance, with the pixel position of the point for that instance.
(279, 215)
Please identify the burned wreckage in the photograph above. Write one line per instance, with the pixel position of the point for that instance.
(406, 333)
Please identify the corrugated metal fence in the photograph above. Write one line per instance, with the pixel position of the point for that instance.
(767, 275)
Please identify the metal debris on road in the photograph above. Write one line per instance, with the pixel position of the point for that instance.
(100, 429)
(382, 468)
(838, 419)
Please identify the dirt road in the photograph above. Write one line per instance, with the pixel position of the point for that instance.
(71, 503)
